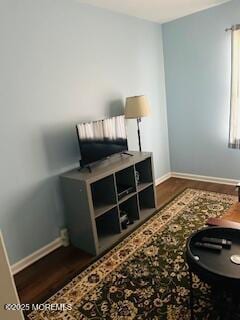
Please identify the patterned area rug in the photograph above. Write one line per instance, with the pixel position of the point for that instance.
(145, 276)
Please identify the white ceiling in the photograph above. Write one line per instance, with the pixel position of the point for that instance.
(155, 10)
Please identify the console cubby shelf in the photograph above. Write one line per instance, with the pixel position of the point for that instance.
(143, 185)
(95, 201)
(125, 198)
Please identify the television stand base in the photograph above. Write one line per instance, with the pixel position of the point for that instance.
(84, 167)
(126, 153)
(90, 167)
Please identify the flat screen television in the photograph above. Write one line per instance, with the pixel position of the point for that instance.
(101, 139)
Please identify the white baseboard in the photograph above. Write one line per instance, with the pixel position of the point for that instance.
(35, 256)
(42, 252)
(190, 176)
(162, 178)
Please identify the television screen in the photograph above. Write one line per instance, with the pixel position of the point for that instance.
(100, 139)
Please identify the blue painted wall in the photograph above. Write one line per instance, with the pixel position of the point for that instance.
(197, 66)
(62, 62)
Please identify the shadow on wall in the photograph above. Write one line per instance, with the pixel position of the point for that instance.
(115, 108)
(61, 146)
(60, 140)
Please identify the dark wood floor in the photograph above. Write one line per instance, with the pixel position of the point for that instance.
(42, 279)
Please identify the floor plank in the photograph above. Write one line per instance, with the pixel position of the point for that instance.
(42, 279)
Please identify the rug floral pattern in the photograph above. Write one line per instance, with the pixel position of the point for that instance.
(145, 276)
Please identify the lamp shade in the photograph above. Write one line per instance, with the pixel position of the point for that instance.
(137, 107)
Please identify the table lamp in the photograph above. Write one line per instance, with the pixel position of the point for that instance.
(136, 108)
